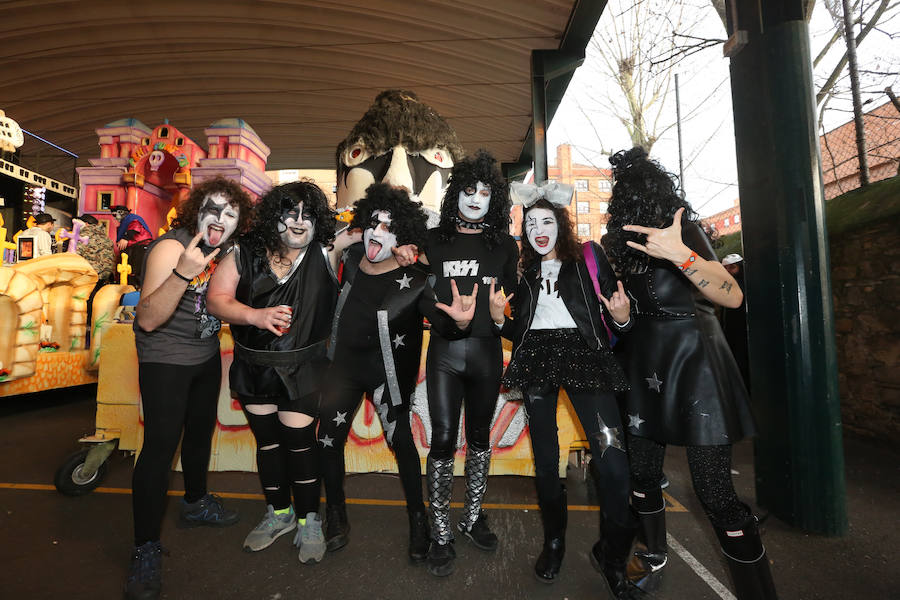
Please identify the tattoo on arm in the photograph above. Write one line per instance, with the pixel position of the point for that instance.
(690, 271)
(726, 286)
(703, 283)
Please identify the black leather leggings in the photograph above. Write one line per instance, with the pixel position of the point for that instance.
(457, 371)
(599, 417)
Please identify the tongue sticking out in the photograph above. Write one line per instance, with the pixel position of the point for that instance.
(214, 236)
(372, 249)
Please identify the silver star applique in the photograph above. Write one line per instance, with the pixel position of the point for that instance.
(635, 420)
(326, 441)
(398, 340)
(340, 418)
(404, 281)
(653, 382)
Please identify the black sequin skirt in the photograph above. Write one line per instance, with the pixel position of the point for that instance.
(561, 357)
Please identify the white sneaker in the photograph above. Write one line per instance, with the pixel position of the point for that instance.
(270, 529)
(310, 539)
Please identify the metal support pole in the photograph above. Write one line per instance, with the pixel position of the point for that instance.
(793, 363)
(539, 116)
(678, 123)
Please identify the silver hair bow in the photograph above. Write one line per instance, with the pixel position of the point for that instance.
(526, 194)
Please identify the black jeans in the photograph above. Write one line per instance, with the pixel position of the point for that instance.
(462, 370)
(175, 398)
(599, 417)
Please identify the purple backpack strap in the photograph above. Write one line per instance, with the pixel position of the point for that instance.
(590, 260)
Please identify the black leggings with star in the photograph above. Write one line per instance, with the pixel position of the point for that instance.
(352, 375)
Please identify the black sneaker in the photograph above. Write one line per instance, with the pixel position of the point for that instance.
(208, 511)
(419, 536)
(337, 528)
(145, 577)
(480, 534)
(440, 559)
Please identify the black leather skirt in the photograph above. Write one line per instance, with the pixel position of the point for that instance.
(686, 388)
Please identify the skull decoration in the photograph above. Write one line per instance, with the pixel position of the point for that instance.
(156, 160)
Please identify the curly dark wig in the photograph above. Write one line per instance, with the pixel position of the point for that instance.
(398, 117)
(643, 193)
(467, 172)
(264, 237)
(568, 248)
(186, 217)
(407, 217)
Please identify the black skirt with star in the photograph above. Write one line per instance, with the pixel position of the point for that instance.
(686, 388)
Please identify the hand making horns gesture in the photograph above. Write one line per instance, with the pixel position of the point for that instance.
(618, 305)
(498, 302)
(662, 243)
(462, 308)
(192, 261)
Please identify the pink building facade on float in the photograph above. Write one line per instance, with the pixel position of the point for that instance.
(152, 171)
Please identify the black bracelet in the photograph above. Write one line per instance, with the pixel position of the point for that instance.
(180, 276)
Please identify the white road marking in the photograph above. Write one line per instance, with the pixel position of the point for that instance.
(699, 569)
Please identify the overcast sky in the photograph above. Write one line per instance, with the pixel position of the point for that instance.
(710, 178)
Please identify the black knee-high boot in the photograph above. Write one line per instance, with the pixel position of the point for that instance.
(610, 557)
(747, 560)
(646, 567)
(555, 515)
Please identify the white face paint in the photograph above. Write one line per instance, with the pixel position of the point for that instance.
(297, 227)
(217, 219)
(474, 202)
(541, 229)
(378, 239)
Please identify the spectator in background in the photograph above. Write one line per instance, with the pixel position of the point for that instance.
(43, 241)
(734, 320)
(98, 250)
(101, 255)
(132, 237)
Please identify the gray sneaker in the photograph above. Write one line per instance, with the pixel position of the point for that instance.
(270, 529)
(310, 539)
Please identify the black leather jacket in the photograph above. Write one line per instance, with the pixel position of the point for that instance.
(577, 292)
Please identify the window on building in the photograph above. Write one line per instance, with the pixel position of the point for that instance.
(737, 219)
(602, 230)
(163, 132)
(581, 185)
(584, 229)
(179, 141)
(104, 200)
(145, 141)
(727, 222)
(604, 185)
(583, 207)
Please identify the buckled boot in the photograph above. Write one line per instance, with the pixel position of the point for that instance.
(645, 570)
(419, 535)
(747, 560)
(609, 556)
(555, 514)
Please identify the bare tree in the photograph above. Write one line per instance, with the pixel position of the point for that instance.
(627, 46)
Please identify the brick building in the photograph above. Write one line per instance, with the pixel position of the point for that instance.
(593, 188)
(840, 167)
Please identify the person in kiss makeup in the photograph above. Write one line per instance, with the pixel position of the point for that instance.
(686, 388)
(179, 371)
(470, 247)
(376, 345)
(278, 290)
(559, 340)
